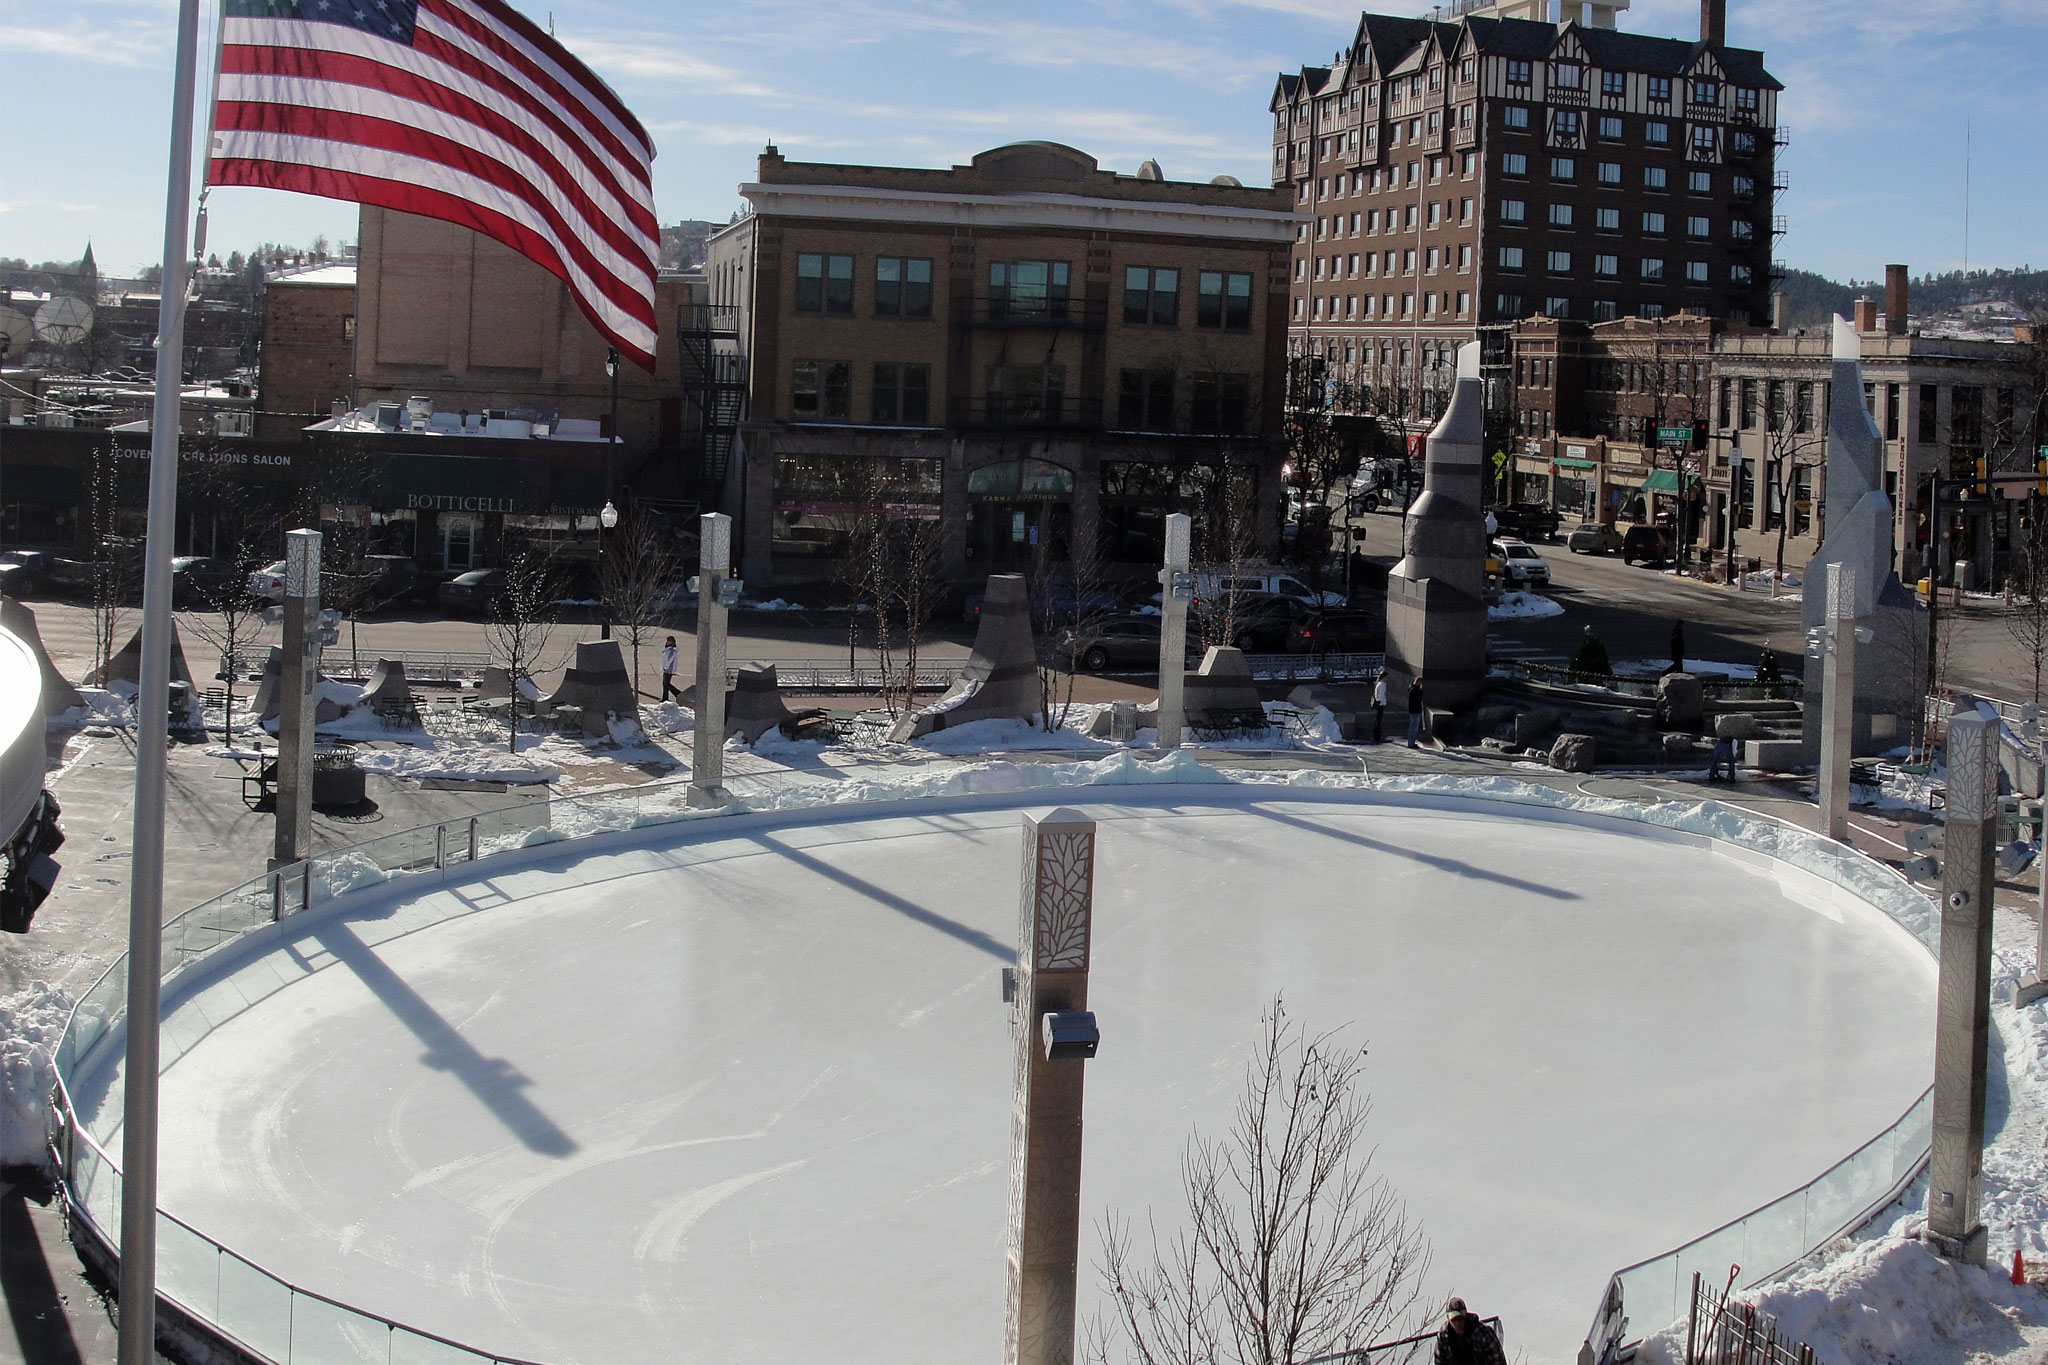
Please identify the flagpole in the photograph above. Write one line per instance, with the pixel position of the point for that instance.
(152, 703)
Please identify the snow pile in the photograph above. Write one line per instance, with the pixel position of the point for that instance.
(1008, 735)
(30, 1024)
(772, 604)
(458, 763)
(1894, 1300)
(1523, 606)
(667, 718)
(1762, 579)
(625, 732)
(1699, 668)
(102, 707)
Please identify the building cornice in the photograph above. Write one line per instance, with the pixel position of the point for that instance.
(1063, 212)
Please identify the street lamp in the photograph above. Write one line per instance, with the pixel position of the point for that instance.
(1734, 502)
(609, 517)
(606, 519)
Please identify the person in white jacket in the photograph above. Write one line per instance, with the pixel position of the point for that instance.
(1379, 705)
(670, 657)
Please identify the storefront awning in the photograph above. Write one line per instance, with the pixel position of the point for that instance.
(1661, 481)
(1573, 464)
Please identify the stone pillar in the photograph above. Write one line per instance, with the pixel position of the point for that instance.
(1962, 1024)
(2034, 984)
(296, 704)
(1173, 632)
(707, 747)
(1838, 702)
(1053, 932)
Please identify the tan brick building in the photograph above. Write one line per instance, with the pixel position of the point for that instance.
(308, 349)
(1047, 356)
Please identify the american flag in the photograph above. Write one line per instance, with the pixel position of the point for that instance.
(455, 109)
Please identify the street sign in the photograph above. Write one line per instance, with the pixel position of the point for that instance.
(1674, 435)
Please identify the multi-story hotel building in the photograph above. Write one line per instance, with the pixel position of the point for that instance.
(1045, 356)
(1459, 175)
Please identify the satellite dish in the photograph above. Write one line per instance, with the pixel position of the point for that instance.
(64, 321)
(16, 332)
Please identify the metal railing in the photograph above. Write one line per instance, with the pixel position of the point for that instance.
(1418, 1348)
(1329, 667)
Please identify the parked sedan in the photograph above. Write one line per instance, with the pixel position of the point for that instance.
(1593, 538)
(200, 580)
(1124, 642)
(1341, 630)
(23, 573)
(471, 593)
(268, 582)
(1520, 564)
(1263, 624)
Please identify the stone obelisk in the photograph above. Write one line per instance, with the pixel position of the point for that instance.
(707, 738)
(1436, 603)
(297, 705)
(1857, 520)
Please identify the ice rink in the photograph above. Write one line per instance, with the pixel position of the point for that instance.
(738, 1091)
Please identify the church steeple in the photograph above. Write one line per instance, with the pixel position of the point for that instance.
(87, 266)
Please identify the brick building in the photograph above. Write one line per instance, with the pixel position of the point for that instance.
(1465, 173)
(308, 349)
(1045, 356)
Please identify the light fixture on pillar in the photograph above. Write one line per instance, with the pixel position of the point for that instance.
(609, 517)
(606, 520)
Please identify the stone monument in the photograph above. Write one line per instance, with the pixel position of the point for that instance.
(1838, 709)
(1857, 519)
(296, 713)
(999, 681)
(597, 687)
(1436, 605)
(1053, 1033)
(707, 738)
(1173, 630)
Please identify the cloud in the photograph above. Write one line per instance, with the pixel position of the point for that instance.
(641, 60)
(122, 42)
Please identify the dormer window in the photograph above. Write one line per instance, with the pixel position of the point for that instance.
(1706, 92)
(1566, 75)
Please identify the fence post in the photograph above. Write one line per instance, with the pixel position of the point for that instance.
(440, 847)
(276, 896)
(306, 884)
(1692, 1321)
(472, 838)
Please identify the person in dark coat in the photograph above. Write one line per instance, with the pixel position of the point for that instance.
(1414, 710)
(1465, 1340)
(1678, 646)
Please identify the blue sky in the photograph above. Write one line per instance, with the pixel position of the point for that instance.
(1878, 94)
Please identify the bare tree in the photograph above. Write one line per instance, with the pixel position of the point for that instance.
(641, 572)
(1294, 1247)
(1068, 602)
(114, 568)
(2026, 617)
(522, 622)
(1319, 461)
(1795, 444)
(1227, 529)
(233, 619)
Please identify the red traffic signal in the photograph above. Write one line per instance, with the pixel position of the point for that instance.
(1699, 435)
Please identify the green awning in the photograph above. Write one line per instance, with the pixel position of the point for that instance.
(1661, 481)
(1573, 464)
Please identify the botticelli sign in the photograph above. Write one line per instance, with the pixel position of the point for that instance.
(448, 502)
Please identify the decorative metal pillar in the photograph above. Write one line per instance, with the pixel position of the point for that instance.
(1838, 702)
(297, 705)
(1053, 1034)
(1962, 1024)
(707, 746)
(1175, 588)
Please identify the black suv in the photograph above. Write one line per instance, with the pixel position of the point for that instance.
(1526, 521)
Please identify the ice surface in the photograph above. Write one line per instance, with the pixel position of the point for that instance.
(739, 1090)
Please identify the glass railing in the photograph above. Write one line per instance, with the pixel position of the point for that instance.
(292, 1326)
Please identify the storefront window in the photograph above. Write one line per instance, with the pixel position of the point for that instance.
(820, 500)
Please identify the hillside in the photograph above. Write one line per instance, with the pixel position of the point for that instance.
(1810, 299)
(682, 246)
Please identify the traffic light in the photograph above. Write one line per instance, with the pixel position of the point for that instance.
(1699, 435)
(2041, 472)
(1982, 487)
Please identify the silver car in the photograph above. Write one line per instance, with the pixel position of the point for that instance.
(1593, 538)
(1520, 564)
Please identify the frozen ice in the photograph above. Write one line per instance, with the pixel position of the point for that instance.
(738, 1089)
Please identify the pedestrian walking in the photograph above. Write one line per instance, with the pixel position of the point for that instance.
(670, 658)
(1379, 706)
(1414, 710)
(1465, 1340)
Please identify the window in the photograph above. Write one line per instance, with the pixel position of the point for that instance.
(1430, 263)
(1609, 173)
(1408, 216)
(1653, 268)
(1566, 75)
(903, 287)
(1144, 400)
(1695, 272)
(1508, 305)
(1464, 303)
(1557, 308)
(1464, 210)
(1468, 164)
(1027, 289)
(1436, 213)
(1741, 229)
(1408, 261)
(1465, 70)
(822, 391)
(1607, 265)
(1407, 305)
(1739, 275)
(1225, 301)
(902, 394)
(1353, 272)
(1514, 116)
(1704, 139)
(1429, 305)
(1802, 406)
(1566, 127)
(1560, 215)
(1518, 73)
(1300, 267)
(1928, 431)
(1655, 178)
(1699, 182)
(1653, 224)
(1563, 168)
(1651, 310)
(1220, 403)
(1706, 92)
(1607, 220)
(1697, 226)
(1513, 211)
(1026, 393)
(1657, 134)
(1514, 163)
(1560, 262)
(1610, 127)
(1660, 89)
(1604, 310)
(1614, 84)
(1152, 296)
(1464, 256)
(1354, 225)
(1742, 142)
(824, 284)
(1745, 99)
(1511, 258)
(1741, 186)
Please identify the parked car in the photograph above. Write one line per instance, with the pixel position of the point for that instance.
(1649, 544)
(23, 573)
(200, 580)
(1343, 630)
(471, 593)
(1214, 587)
(268, 582)
(391, 579)
(1122, 642)
(1520, 564)
(1055, 602)
(1593, 538)
(1526, 521)
(1262, 623)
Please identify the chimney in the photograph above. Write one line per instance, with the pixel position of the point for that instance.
(1866, 315)
(1895, 300)
(1714, 22)
(1778, 311)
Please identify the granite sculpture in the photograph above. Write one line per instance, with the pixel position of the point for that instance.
(1000, 678)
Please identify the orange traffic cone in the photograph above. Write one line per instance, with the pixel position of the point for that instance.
(2019, 1267)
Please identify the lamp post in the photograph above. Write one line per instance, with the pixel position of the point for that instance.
(609, 517)
(606, 519)
(1734, 504)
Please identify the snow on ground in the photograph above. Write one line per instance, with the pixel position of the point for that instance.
(1762, 579)
(30, 1024)
(773, 604)
(998, 736)
(1523, 606)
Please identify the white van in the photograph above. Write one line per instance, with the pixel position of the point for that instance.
(1214, 587)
